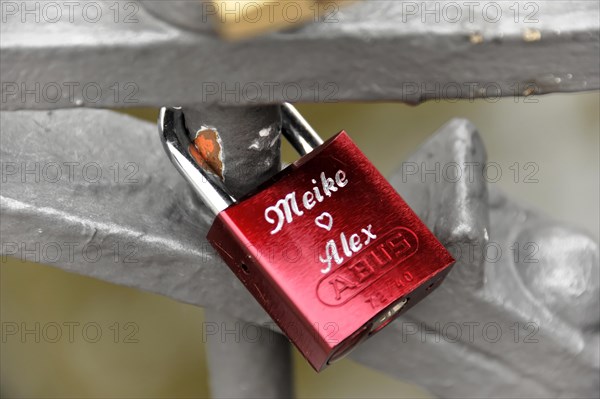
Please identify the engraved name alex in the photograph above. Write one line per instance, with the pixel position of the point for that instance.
(284, 210)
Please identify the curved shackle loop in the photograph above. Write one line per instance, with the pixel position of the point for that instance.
(298, 131)
(176, 141)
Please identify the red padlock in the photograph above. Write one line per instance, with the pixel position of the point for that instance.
(327, 246)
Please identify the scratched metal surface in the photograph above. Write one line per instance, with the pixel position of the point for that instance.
(155, 212)
(372, 50)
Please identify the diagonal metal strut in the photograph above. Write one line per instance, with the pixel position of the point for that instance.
(149, 231)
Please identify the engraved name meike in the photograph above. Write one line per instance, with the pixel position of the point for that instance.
(284, 210)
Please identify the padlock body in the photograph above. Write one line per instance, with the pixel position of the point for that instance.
(330, 250)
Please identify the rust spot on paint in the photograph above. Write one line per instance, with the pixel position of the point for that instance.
(532, 35)
(207, 151)
(198, 158)
(529, 91)
(476, 38)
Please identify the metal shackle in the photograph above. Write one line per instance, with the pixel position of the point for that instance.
(176, 141)
(298, 131)
(177, 144)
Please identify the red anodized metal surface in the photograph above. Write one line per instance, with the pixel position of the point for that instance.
(328, 247)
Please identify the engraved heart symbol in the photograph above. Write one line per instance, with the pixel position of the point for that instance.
(324, 221)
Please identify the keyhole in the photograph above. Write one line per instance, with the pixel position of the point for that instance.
(245, 268)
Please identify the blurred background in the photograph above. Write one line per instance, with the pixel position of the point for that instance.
(151, 347)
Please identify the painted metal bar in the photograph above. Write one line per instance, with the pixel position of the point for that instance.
(368, 51)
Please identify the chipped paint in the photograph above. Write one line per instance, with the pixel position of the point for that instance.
(274, 141)
(476, 38)
(529, 91)
(532, 35)
(209, 150)
(259, 143)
